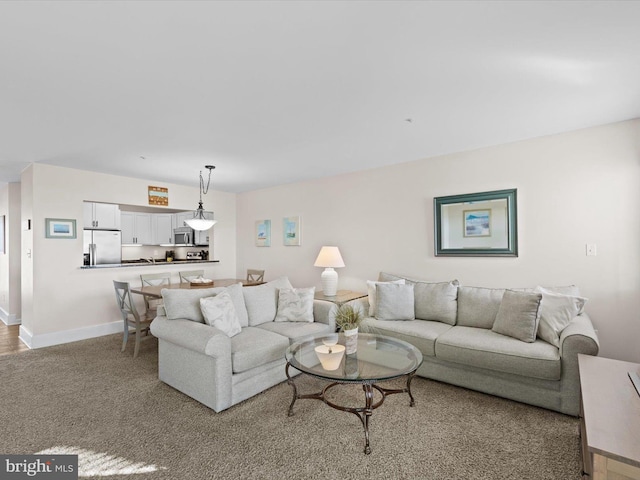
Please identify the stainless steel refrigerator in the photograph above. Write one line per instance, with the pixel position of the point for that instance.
(102, 247)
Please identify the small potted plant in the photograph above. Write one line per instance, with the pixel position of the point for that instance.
(348, 318)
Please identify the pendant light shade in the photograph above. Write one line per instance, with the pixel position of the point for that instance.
(199, 221)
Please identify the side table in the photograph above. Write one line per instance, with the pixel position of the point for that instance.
(341, 296)
(610, 419)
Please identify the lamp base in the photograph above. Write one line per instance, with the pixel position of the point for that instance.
(329, 279)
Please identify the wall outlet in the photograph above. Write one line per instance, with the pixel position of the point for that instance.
(591, 250)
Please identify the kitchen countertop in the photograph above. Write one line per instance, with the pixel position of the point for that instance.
(138, 263)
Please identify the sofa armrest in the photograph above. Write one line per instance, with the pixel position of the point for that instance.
(325, 312)
(579, 337)
(195, 336)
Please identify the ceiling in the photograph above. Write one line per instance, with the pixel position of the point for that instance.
(277, 92)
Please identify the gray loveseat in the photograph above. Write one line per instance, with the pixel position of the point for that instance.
(455, 328)
(217, 370)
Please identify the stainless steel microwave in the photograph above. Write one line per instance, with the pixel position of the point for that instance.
(183, 236)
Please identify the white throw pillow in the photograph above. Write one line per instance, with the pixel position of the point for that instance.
(295, 305)
(556, 312)
(395, 302)
(220, 313)
(371, 291)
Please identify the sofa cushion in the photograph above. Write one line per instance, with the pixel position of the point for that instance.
(477, 306)
(253, 347)
(556, 312)
(293, 330)
(220, 313)
(395, 302)
(262, 300)
(237, 297)
(420, 333)
(295, 305)
(482, 348)
(518, 315)
(433, 300)
(185, 303)
(372, 294)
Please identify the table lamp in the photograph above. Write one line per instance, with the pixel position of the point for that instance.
(330, 258)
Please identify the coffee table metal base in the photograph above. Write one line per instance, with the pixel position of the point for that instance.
(363, 413)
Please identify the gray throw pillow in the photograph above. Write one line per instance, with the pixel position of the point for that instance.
(395, 302)
(518, 315)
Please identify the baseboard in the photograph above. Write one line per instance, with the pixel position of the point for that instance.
(68, 336)
(8, 318)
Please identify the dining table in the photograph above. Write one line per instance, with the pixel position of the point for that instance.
(155, 291)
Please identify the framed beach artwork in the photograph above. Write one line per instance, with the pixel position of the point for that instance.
(263, 233)
(477, 223)
(291, 231)
(60, 228)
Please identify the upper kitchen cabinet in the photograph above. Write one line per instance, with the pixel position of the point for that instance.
(101, 216)
(182, 217)
(162, 227)
(137, 228)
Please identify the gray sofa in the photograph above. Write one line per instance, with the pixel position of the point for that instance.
(455, 328)
(217, 370)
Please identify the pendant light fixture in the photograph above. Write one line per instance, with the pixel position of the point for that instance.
(199, 222)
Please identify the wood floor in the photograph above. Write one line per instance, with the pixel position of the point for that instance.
(9, 341)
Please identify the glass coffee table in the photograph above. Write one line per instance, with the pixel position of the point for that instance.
(377, 358)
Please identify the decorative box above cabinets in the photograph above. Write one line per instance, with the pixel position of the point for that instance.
(101, 216)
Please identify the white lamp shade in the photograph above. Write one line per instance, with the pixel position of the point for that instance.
(329, 257)
(200, 223)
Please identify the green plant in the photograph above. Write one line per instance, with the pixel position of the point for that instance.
(348, 316)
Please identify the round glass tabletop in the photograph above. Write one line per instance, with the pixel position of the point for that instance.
(377, 357)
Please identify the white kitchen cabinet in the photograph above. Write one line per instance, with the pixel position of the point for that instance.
(162, 225)
(136, 228)
(101, 216)
(181, 217)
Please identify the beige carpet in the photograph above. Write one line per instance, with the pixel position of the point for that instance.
(88, 398)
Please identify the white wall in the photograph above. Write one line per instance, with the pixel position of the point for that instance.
(61, 301)
(575, 188)
(10, 259)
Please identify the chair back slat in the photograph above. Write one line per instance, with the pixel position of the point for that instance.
(255, 275)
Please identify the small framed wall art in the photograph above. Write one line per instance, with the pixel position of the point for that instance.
(158, 196)
(60, 228)
(263, 233)
(291, 231)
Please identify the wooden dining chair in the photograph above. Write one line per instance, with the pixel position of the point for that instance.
(186, 277)
(255, 276)
(132, 319)
(147, 279)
